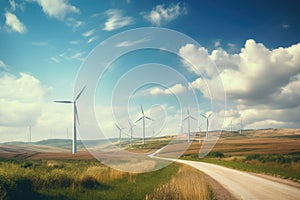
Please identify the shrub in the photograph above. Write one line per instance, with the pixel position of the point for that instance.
(89, 182)
(216, 154)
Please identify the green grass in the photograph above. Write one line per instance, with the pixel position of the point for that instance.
(286, 166)
(75, 179)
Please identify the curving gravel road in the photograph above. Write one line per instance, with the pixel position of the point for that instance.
(243, 185)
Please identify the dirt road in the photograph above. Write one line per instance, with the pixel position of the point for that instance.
(243, 185)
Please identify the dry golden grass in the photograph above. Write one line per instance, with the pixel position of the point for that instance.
(103, 174)
(189, 183)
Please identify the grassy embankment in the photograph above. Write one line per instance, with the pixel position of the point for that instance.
(78, 179)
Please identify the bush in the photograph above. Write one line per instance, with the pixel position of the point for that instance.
(89, 182)
(216, 154)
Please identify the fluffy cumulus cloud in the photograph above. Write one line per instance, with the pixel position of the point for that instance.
(261, 84)
(56, 8)
(174, 90)
(163, 14)
(14, 24)
(25, 102)
(20, 100)
(116, 20)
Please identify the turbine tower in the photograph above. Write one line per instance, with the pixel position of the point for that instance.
(143, 117)
(131, 131)
(75, 118)
(199, 134)
(241, 126)
(189, 128)
(207, 123)
(120, 134)
(29, 134)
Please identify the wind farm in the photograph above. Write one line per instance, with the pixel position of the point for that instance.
(132, 100)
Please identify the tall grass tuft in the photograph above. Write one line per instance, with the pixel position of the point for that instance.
(189, 183)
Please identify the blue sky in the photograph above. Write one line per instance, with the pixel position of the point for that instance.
(254, 44)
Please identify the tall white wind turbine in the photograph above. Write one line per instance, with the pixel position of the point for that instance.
(207, 123)
(120, 134)
(143, 117)
(189, 126)
(75, 118)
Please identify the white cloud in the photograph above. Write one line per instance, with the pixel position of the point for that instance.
(217, 43)
(116, 20)
(57, 8)
(74, 42)
(3, 65)
(14, 23)
(73, 23)
(55, 59)
(197, 60)
(20, 99)
(40, 44)
(12, 5)
(162, 14)
(89, 33)
(175, 89)
(131, 43)
(261, 84)
(92, 39)
(285, 26)
(70, 54)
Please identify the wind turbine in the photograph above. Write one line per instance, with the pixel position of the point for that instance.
(231, 126)
(75, 118)
(241, 126)
(143, 117)
(29, 134)
(206, 117)
(189, 128)
(131, 130)
(199, 134)
(120, 134)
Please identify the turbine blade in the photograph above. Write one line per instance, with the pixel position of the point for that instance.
(193, 118)
(139, 119)
(142, 109)
(203, 115)
(148, 118)
(209, 115)
(188, 111)
(118, 127)
(80, 93)
(185, 118)
(63, 101)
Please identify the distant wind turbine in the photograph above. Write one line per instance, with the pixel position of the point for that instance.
(207, 123)
(231, 126)
(120, 134)
(143, 117)
(29, 135)
(75, 118)
(189, 126)
(131, 131)
(199, 134)
(241, 126)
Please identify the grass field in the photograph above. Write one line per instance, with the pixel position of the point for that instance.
(88, 179)
(75, 179)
